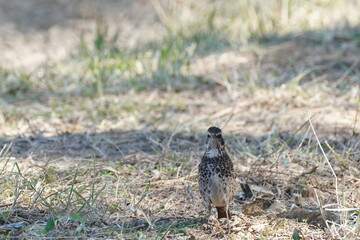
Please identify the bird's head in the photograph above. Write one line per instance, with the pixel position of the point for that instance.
(214, 139)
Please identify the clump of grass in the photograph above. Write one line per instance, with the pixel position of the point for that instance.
(106, 66)
(85, 201)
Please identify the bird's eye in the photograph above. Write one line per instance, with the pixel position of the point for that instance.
(218, 135)
(208, 135)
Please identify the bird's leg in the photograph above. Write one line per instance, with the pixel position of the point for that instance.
(228, 217)
(209, 209)
(217, 222)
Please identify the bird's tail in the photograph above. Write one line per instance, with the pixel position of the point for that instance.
(222, 212)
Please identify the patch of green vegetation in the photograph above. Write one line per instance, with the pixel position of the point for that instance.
(14, 84)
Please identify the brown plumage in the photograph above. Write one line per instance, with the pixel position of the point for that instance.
(216, 174)
(221, 211)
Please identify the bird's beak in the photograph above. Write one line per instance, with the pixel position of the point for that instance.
(213, 142)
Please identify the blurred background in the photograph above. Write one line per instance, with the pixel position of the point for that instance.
(132, 82)
(55, 51)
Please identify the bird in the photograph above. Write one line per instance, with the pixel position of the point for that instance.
(216, 175)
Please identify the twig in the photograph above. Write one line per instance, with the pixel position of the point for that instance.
(160, 12)
(170, 139)
(356, 116)
(4, 151)
(113, 144)
(309, 171)
(50, 158)
(92, 145)
(347, 72)
(322, 212)
(328, 162)
(333, 172)
(163, 148)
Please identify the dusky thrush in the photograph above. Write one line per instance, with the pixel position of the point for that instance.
(216, 174)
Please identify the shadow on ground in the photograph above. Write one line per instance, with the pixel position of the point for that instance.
(124, 146)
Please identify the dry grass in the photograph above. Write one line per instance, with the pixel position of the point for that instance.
(106, 145)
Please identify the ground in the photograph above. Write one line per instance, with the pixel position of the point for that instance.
(104, 109)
